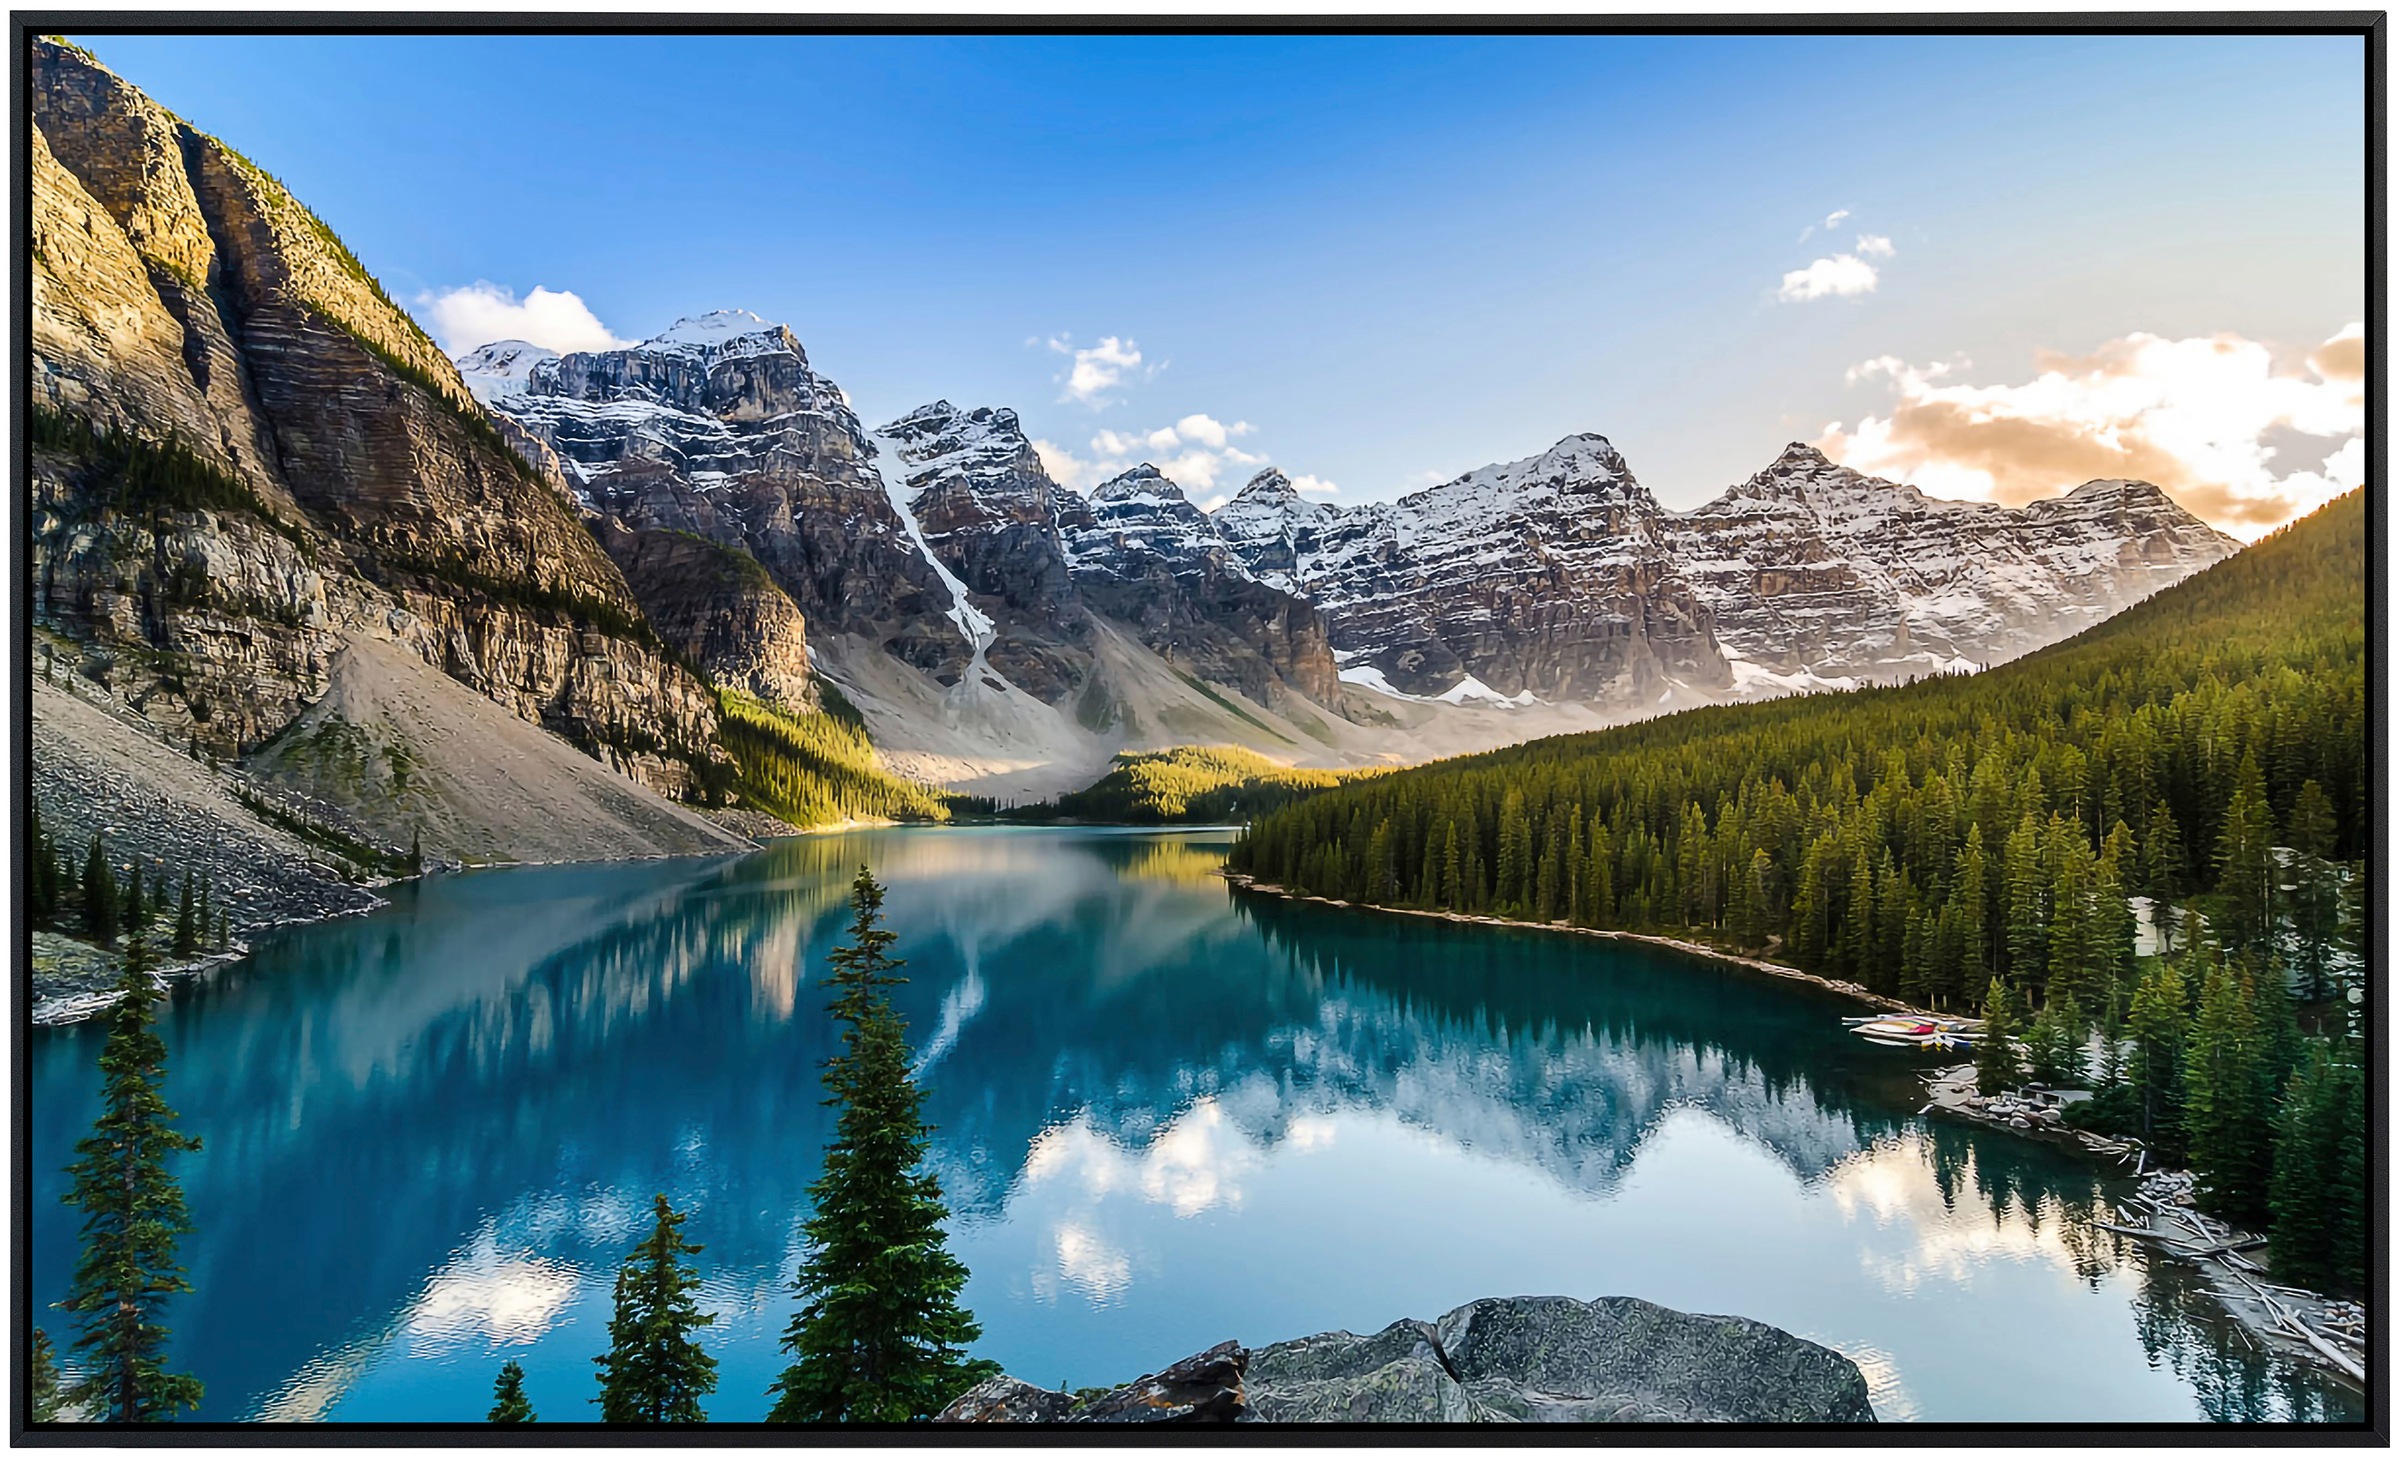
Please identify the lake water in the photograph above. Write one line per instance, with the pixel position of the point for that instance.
(1168, 1114)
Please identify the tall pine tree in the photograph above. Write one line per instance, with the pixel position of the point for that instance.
(2228, 1120)
(46, 1401)
(653, 1371)
(99, 896)
(187, 931)
(2156, 1021)
(509, 1404)
(880, 1336)
(1998, 1068)
(133, 1215)
(2319, 1192)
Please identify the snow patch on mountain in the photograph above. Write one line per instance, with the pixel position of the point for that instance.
(973, 623)
(501, 367)
(735, 331)
(1469, 690)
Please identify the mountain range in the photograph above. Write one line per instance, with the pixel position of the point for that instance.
(1554, 583)
(273, 521)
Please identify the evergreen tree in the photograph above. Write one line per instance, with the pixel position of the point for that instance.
(1997, 1067)
(2156, 1021)
(2026, 918)
(187, 931)
(1381, 880)
(2318, 1196)
(881, 1336)
(2228, 1124)
(653, 1371)
(1974, 876)
(2316, 902)
(2313, 825)
(1858, 926)
(1515, 854)
(133, 1213)
(99, 896)
(1454, 871)
(2163, 861)
(2055, 1045)
(46, 1401)
(508, 1396)
(2246, 861)
(135, 914)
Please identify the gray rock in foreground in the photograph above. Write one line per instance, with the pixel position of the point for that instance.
(1507, 1359)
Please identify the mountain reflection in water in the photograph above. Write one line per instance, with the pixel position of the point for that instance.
(1166, 1114)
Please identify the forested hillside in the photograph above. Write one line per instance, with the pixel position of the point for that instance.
(1972, 842)
(1193, 785)
(819, 768)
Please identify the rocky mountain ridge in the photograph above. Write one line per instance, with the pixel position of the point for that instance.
(1559, 575)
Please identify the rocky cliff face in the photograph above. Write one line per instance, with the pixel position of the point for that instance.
(245, 454)
(1148, 557)
(719, 608)
(1512, 1360)
(1813, 571)
(1548, 577)
(720, 428)
(984, 507)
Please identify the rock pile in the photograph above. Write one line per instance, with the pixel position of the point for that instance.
(1498, 1360)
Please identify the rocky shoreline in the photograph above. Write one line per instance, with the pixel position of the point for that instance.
(1522, 1359)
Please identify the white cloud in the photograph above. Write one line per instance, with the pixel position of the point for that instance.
(1834, 219)
(1314, 486)
(2208, 419)
(483, 311)
(1872, 245)
(1209, 432)
(1844, 275)
(1099, 369)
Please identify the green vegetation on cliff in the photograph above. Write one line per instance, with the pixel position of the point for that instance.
(125, 472)
(816, 769)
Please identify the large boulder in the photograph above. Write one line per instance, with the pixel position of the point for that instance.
(1556, 1359)
(1512, 1359)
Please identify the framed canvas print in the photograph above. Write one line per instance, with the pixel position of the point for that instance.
(965, 730)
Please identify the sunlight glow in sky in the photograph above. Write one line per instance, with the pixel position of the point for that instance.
(1995, 266)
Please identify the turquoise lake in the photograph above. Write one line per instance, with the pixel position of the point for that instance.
(1168, 1113)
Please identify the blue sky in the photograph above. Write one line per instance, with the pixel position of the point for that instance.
(1395, 259)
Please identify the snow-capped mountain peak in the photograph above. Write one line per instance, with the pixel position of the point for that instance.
(1143, 482)
(1268, 485)
(713, 327)
(501, 367)
(985, 448)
